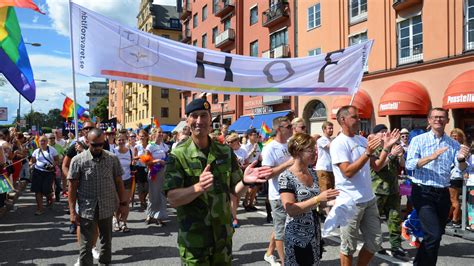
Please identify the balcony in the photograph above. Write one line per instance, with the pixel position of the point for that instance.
(278, 52)
(186, 36)
(186, 12)
(224, 8)
(225, 38)
(399, 5)
(276, 14)
(145, 102)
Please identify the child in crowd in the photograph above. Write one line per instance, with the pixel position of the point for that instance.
(470, 192)
(411, 229)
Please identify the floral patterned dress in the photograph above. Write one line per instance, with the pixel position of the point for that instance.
(302, 232)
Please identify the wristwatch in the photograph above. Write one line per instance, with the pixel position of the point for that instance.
(368, 154)
(123, 203)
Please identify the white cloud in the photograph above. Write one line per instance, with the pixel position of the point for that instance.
(44, 60)
(165, 2)
(35, 19)
(123, 11)
(60, 52)
(30, 26)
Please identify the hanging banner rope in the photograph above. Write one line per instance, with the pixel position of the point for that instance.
(104, 48)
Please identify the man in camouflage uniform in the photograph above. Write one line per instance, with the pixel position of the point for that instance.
(386, 189)
(200, 176)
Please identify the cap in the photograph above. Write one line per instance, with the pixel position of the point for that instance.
(197, 105)
(404, 131)
(379, 128)
(251, 130)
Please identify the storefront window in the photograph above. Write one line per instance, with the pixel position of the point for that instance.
(411, 123)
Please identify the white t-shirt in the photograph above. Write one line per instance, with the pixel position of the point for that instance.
(41, 161)
(349, 149)
(241, 154)
(324, 157)
(61, 142)
(274, 154)
(252, 156)
(140, 152)
(125, 161)
(158, 151)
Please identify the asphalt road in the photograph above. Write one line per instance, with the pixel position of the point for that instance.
(26, 239)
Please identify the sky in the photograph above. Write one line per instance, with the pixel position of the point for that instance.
(51, 61)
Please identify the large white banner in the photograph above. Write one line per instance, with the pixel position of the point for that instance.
(104, 48)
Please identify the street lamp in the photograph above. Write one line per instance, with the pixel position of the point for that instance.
(222, 112)
(31, 111)
(33, 44)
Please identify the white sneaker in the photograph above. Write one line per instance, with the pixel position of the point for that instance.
(271, 259)
(78, 262)
(95, 253)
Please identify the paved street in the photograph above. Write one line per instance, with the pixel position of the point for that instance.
(27, 239)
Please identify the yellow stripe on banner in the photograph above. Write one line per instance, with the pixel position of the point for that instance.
(3, 20)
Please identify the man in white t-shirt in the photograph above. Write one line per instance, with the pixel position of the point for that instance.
(275, 154)
(324, 164)
(59, 137)
(254, 154)
(352, 157)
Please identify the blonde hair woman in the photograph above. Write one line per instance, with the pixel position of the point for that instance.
(300, 196)
(456, 182)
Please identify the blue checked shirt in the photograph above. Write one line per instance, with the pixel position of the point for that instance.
(435, 173)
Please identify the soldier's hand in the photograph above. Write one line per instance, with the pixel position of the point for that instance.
(397, 150)
(257, 175)
(205, 179)
(438, 152)
(373, 144)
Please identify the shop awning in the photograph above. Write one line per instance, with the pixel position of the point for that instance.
(460, 92)
(405, 98)
(167, 128)
(245, 122)
(179, 127)
(361, 100)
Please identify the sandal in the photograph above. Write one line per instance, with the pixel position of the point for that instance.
(116, 227)
(160, 223)
(125, 228)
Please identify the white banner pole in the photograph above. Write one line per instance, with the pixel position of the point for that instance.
(76, 127)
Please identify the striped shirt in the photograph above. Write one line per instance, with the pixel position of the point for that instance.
(435, 173)
(96, 183)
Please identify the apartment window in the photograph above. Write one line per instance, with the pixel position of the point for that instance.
(254, 48)
(314, 16)
(314, 52)
(195, 20)
(226, 97)
(410, 40)
(254, 15)
(215, 32)
(204, 13)
(469, 26)
(215, 6)
(195, 43)
(165, 93)
(164, 112)
(186, 100)
(174, 23)
(357, 10)
(215, 98)
(226, 24)
(279, 38)
(204, 41)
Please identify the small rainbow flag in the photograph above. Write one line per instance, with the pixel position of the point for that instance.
(156, 123)
(15, 64)
(21, 3)
(68, 109)
(265, 129)
(5, 184)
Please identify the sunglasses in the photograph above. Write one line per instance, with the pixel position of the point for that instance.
(133, 136)
(287, 127)
(87, 128)
(97, 145)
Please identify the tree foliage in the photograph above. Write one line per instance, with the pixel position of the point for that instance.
(102, 109)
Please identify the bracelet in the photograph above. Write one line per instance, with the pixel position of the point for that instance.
(247, 184)
(386, 150)
(462, 160)
(316, 200)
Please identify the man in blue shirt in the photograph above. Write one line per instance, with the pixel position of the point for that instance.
(430, 156)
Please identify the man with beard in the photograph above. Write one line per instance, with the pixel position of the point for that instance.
(95, 181)
(201, 174)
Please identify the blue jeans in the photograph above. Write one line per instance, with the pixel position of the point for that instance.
(432, 205)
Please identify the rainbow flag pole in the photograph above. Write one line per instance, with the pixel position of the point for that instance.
(76, 128)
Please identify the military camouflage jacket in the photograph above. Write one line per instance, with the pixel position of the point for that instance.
(385, 181)
(207, 219)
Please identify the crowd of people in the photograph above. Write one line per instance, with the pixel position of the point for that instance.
(206, 175)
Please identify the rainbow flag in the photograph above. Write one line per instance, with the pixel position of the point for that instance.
(156, 123)
(265, 129)
(15, 64)
(68, 109)
(21, 3)
(5, 184)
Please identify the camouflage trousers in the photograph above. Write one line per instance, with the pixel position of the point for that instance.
(220, 254)
(389, 205)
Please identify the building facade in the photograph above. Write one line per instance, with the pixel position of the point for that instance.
(422, 57)
(258, 28)
(97, 91)
(142, 103)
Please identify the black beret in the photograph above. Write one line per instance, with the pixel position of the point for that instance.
(197, 105)
(251, 130)
(379, 128)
